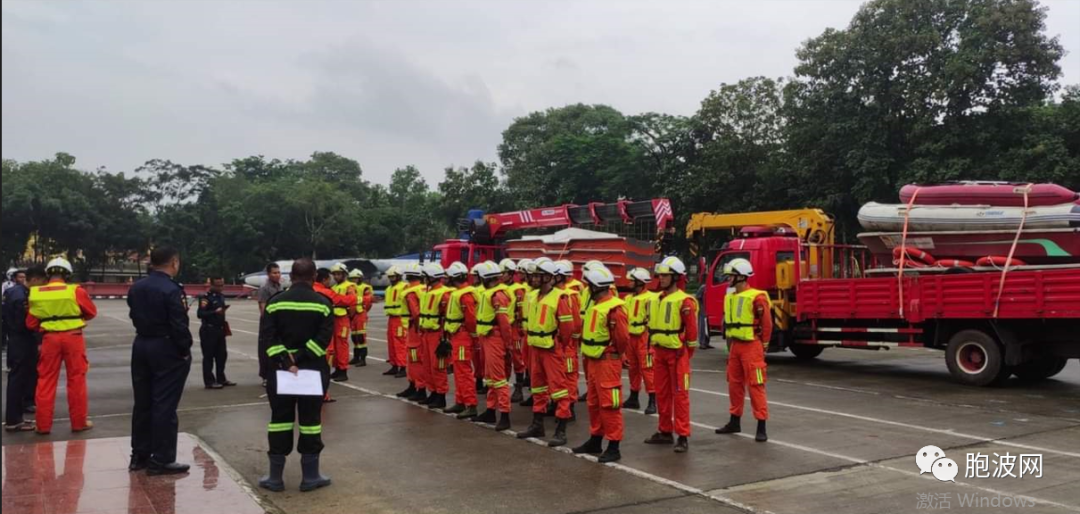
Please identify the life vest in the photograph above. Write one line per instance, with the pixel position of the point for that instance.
(429, 307)
(596, 336)
(739, 314)
(395, 299)
(665, 320)
(517, 292)
(486, 311)
(543, 322)
(417, 289)
(637, 310)
(361, 291)
(56, 307)
(455, 313)
(343, 290)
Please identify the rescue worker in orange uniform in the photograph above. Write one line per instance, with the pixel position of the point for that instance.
(747, 329)
(414, 347)
(436, 348)
(516, 288)
(605, 336)
(365, 296)
(673, 335)
(584, 299)
(395, 326)
(572, 288)
(60, 310)
(493, 326)
(459, 326)
(478, 349)
(640, 354)
(339, 347)
(324, 286)
(550, 328)
(532, 279)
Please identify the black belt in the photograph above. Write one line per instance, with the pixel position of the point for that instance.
(429, 316)
(596, 343)
(738, 325)
(60, 318)
(642, 324)
(486, 323)
(454, 320)
(667, 332)
(541, 334)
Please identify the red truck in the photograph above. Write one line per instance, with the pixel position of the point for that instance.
(828, 295)
(644, 225)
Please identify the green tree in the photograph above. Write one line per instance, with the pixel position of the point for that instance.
(477, 187)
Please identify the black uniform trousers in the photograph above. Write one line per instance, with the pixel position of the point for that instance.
(22, 379)
(214, 353)
(284, 410)
(159, 370)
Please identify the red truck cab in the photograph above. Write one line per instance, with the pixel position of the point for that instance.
(468, 253)
(764, 247)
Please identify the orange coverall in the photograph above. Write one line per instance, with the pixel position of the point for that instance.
(745, 360)
(671, 372)
(462, 343)
(604, 380)
(495, 344)
(548, 366)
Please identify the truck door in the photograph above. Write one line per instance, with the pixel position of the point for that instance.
(716, 288)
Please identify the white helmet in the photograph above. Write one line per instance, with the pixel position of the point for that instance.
(507, 265)
(671, 266)
(338, 267)
(546, 266)
(487, 269)
(356, 273)
(456, 269)
(566, 268)
(412, 269)
(598, 276)
(58, 262)
(526, 266)
(639, 274)
(434, 270)
(740, 267)
(394, 271)
(591, 264)
(11, 272)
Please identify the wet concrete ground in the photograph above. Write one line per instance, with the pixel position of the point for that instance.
(844, 430)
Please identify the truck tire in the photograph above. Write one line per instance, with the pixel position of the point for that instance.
(805, 352)
(976, 358)
(1040, 368)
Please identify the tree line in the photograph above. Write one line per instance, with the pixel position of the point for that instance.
(910, 91)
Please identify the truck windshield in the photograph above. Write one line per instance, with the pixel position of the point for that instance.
(718, 270)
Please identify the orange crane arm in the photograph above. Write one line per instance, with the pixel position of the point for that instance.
(811, 225)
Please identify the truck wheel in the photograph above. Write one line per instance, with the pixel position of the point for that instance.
(1040, 368)
(975, 358)
(805, 352)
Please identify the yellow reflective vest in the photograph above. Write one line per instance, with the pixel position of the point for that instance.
(418, 289)
(543, 322)
(56, 307)
(739, 314)
(486, 311)
(665, 320)
(430, 317)
(395, 299)
(455, 313)
(595, 335)
(361, 290)
(342, 289)
(637, 310)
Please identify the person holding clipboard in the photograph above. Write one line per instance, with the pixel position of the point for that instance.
(298, 329)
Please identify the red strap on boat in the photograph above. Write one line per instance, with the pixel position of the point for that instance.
(1012, 250)
(903, 252)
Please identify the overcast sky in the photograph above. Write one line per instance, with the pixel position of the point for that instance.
(388, 83)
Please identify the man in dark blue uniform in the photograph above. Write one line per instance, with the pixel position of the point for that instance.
(298, 328)
(212, 334)
(160, 362)
(22, 350)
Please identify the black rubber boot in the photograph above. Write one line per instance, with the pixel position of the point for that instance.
(481, 388)
(487, 417)
(550, 409)
(559, 438)
(342, 376)
(536, 428)
(468, 413)
(455, 409)
(312, 479)
(527, 403)
(401, 372)
(438, 401)
(355, 357)
(504, 422)
(651, 408)
(733, 426)
(391, 372)
(419, 396)
(518, 395)
(363, 358)
(761, 436)
(583, 398)
(611, 454)
(573, 413)
(682, 445)
(595, 444)
(273, 481)
(632, 402)
(408, 392)
(660, 438)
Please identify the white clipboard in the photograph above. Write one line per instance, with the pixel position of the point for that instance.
(305, 382)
